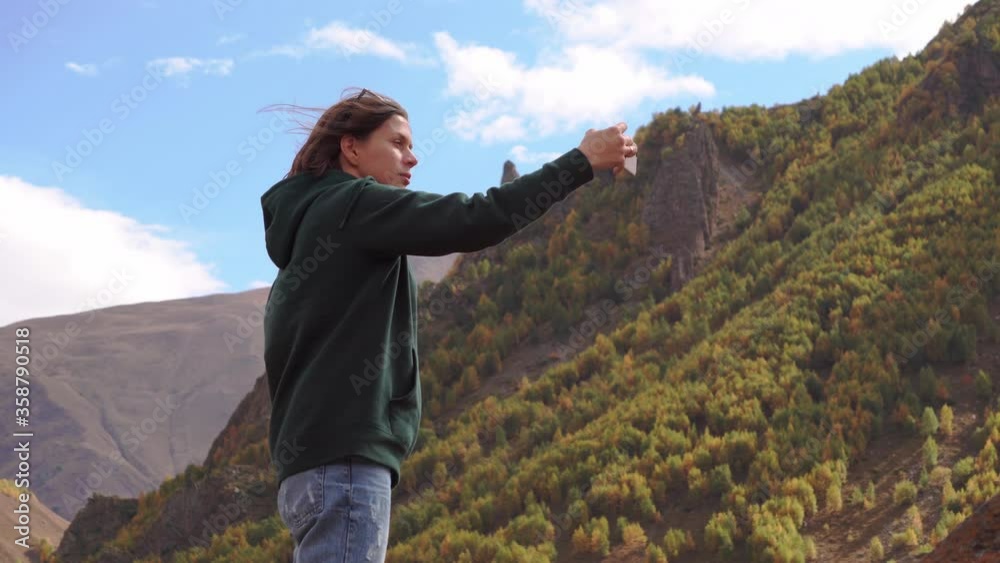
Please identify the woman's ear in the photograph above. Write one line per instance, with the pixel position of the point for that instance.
(348, 149)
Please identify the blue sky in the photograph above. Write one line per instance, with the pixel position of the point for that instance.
(95, 218)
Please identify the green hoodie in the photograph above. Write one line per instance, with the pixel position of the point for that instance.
(340, 324)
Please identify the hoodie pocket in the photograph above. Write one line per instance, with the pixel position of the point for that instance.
(404, 410)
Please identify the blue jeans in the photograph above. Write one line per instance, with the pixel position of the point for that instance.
(338, 513)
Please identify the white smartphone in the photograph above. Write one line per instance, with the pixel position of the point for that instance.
(630, 164)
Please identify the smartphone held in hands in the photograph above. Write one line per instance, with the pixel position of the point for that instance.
(630, 164)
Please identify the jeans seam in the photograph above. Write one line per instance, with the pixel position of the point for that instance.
(322, 490)
(350, 509)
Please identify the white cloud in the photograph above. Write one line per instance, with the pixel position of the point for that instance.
(85, 69)
(583, 84)
(746, 30)
(597, 63)
(348, 41)
(92, 69)
(230, 38)
(66, 258)
(337, 35)
(293, 51)
(522, 155)
(503, 128)
(183, 66)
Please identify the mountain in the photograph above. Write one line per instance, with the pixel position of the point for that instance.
(45, 528)
(127, 396)
(778, 342)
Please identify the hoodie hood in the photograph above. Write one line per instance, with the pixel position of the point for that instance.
(285, 205)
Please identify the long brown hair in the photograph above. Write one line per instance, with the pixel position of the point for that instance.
(358, 113)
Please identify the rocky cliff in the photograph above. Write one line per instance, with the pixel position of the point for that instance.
(682, 200)
(205, 501)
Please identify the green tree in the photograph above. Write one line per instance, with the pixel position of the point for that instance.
(905, 492)
(870, 498)
(929, 422)
(721, 533)
(721, 479)
(947, 420)
(930, 452)
(984, 385)
(834, 501)
(987, 459)
(962, 470)
(876, 553)
(677, 541)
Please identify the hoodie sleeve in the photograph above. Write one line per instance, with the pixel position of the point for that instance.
(400, 221)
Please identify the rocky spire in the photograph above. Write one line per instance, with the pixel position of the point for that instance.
(509, 172)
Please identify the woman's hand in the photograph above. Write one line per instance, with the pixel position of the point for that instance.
(608, 148)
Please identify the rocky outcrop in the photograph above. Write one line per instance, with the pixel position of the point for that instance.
(198, 510)
(976, 61)
(963, 68)
(509, 172)
(682, 200)
(96, 523)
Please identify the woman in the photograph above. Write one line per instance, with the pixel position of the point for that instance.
(340, 325)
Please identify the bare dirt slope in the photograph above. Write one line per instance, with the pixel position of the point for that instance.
(44, 525)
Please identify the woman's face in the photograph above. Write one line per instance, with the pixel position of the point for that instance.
(386, 155)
